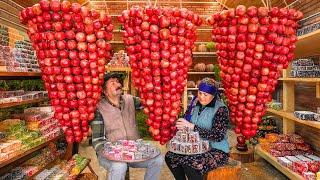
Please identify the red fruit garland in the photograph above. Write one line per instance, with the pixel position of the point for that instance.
(159, 42)
(72, 50)
(253, 46)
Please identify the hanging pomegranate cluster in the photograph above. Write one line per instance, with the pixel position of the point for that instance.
(254, 45)
(72, 50)
(159, 42)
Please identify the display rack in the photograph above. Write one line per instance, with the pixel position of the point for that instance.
(25, 153)
(273, 160)
(304, 49)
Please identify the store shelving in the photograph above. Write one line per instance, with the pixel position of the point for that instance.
(273, 160)
(308, 45)
(20, 75)
(290, 116)
(6, 105)
(25, 153)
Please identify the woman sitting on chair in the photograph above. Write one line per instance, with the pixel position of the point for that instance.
(208, 115)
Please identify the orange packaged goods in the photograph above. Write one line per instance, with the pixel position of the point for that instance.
(272, 137)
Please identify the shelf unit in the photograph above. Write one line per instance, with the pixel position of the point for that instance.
(273, 160)
(303, 49)
(25, 153)
(20, 75)
(291, 117)
(6, 105)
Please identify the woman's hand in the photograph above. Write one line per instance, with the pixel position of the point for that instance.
(182, 124)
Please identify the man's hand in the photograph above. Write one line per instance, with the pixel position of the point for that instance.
(182, 124)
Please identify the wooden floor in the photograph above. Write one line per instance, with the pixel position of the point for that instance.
(260, 169)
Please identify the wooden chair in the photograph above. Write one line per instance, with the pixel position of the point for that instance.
(228, 172)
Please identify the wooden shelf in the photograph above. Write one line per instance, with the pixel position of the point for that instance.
(308, 45)
(127, 69)
(191, 72)
(273, 160)
(22, 154)
(306, 80)
(20, 75)
(291, 117)
(6, 105)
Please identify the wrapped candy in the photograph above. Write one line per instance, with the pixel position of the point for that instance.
(292, 159)
(279, 146)
(285, 162)
(300, 167)
(294, 138)
(303, 147)
(309, 175)
(290, 146)
(275, 153)
(272, 137)
(284, 138)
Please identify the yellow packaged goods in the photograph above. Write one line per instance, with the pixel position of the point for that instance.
(6, 124)
(272, 137)
(318, 175)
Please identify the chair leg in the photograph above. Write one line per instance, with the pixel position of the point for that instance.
(127, 175)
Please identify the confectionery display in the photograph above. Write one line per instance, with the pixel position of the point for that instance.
(65, 170)
(188, 142)
(279, 145)
(26, 131)
(129, 150)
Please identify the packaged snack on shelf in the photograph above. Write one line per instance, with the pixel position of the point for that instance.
(294, 138)
(309, 175)
(303, 158)
(292, 159)
(285, 162)
(284, 138)
(286, 153)
(279, 146)
(275, 153)
(313, 157)
(272, 137)
(300, 167)
(304, 115)
(303, 147)
(290, 146)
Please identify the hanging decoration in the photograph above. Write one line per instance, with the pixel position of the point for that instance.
(72, 50)
(253, 46)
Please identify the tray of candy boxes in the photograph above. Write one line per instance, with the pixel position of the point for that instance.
(129, 151)
(188, 142)
(305, 115)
